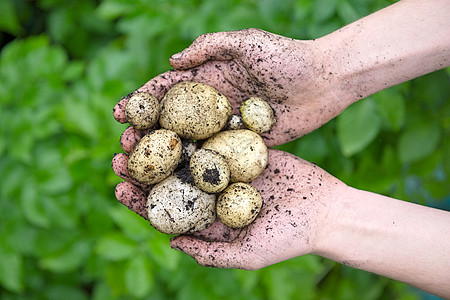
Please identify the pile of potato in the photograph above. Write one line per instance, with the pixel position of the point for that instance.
(198, 156)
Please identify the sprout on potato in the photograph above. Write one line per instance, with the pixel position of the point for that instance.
(194, 110)
(155, 157)
(142, 111)
(238, 205)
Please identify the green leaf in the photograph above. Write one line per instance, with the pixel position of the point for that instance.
(33, 206)
(115, 276)
(11, 271)
(68, 259)
(74, 70)
(112, 9)
(78, 116)
(346, 11)
(323, 10)
(115, 246)
(9, 20)
(357, 126)
(418, 141)
(64, 291)
(133, 225)
(391, 106)
(162, 254)
(312, 147)
(138, 276)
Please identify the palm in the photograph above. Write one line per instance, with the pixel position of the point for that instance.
(294, 193)
(291, 83)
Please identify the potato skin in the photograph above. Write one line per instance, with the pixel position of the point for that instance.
(209, 170)
(245, 152)
(257, 115)
(155, 157)
(175, 206)
(194, 110)
(238, 205)
(142, 110)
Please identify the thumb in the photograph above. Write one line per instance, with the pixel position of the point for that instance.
(215, 254)
(211, 46)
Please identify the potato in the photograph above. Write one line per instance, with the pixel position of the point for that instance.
(155, 157)
(235, 122)
(244, 150)
(209, 170)
(142, 111)
(175, 206)
(194, 110)
(257, 115)
(239, 205)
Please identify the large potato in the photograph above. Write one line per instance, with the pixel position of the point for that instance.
(244, 150)
(175, 206)
(155, 157)
(194, 110)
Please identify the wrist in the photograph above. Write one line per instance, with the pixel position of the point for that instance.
(333, 222)
(398, 43)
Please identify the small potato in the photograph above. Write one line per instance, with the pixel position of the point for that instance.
(142, 111)
(244, 150)
(210, 171)
(257, 115)
(239, 205)
(194, 110)
(176, 206)
(235, 122)
(155, 157)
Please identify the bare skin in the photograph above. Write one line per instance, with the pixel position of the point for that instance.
(252, 65)
(305, 209)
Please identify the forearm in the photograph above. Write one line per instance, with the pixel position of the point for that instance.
(393, 238)
(403, 41)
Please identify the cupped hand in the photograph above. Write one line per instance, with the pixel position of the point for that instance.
(296, 195)
(293, 75)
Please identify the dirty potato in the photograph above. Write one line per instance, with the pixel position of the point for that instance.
(194, 110)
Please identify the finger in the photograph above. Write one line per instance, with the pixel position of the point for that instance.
(211, 46)
(119, 110)
(120, 168)
(218, 232)
(132, 197)
(130, 137)
(217, 254)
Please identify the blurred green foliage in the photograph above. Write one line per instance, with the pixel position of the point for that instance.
(63, 67)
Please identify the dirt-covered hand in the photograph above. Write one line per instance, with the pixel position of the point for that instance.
(290, 74)
(296, 198)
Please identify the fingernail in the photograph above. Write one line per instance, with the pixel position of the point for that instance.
(176, 56)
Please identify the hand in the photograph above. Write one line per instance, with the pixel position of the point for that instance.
(296, 197)
(242, 64)
(291, 74)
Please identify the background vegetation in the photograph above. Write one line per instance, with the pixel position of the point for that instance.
(63, 66)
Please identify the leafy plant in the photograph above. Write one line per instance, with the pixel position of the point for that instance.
(63, 66)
